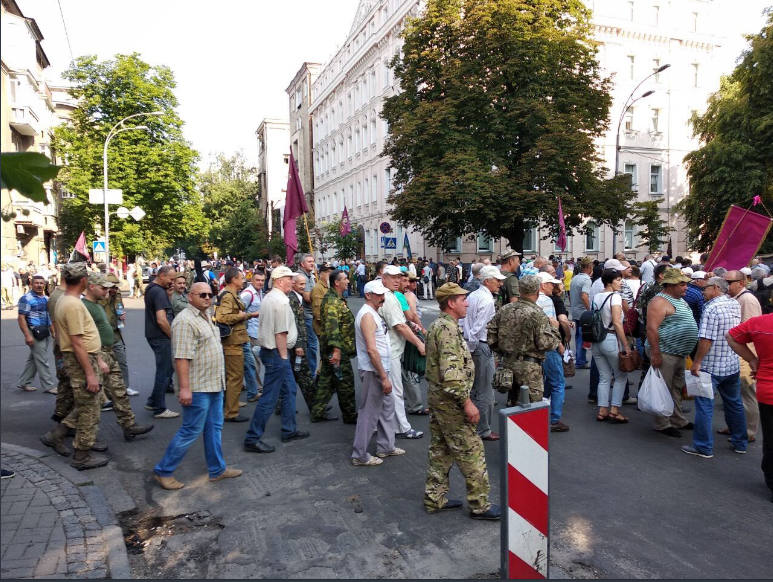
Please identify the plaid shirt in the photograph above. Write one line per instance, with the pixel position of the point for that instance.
(35, 309)
(719, 316)
(196, 338)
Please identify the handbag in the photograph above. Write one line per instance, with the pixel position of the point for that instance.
(503, 379)
(413, 361)
(40, 333)
(629, 361)
(569, 367)
(631, 324)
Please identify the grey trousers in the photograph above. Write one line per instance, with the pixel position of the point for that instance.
(37, 363)
(482, 394)
(673, 373)
(376, 410)
(119, 351)
(411, 392)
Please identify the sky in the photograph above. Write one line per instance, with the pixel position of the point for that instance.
(233, 59)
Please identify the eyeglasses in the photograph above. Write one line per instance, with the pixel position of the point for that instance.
(205, 295)
(734, 280)
(707, 286)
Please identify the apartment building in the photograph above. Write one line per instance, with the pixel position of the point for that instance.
(299, 93)
(273, 163)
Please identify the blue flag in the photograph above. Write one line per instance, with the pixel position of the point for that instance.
(407, 245)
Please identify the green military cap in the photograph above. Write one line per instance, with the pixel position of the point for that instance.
(529, 284)
(447, 290)
(101, 280)
(75, 270)
(585, 261)
(511, 253)
(674, 277)
(113, 279)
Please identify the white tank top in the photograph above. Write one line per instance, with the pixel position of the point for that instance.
(382, 340)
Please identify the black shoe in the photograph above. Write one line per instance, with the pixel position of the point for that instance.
(493, 514)
(593, 400)
(568, 387)
(351, 421)
(237, 418)
(296, 436)
(98, 447)
(670, 431)
(7, 473)
(451, 505)
(107, 406)
(258, 447)
(170, 390)
(325, 418)
(688, 426)
(57, 418)
(135, 430)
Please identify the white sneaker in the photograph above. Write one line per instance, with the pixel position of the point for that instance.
(396, 452)
(167, 414)
(130, 392)
(372, 462)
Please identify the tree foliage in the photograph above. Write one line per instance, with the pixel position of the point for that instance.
(653, 230)
(156, 168)
(344, 247)
(500, 103)
(735, 160)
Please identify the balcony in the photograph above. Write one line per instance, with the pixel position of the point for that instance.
(24, 120)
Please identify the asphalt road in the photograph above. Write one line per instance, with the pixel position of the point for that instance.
(625, 502)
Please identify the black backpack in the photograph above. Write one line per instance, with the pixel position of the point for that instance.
(593, 329)
(764, 295)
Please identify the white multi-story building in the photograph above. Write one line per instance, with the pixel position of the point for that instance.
(273, 163)
(635, 38)
(299, 92)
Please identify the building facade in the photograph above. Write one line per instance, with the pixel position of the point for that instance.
(299, 93)
(635, 38)
(273, 163)
(28, 115)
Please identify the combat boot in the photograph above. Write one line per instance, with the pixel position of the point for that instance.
(83, 460)
(136, 429)
(55, 440)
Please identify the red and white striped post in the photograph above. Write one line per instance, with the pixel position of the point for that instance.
(524, 489)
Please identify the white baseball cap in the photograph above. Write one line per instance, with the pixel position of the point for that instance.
(614, 264)
(280, 272)
(699, 275)
(490, 271)
(391, 270)
(548, 278)
(687, 271)
(376, 287)
(746, 271)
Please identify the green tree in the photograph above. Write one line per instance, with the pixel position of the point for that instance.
(653, 230)
(344, 247)
(735, 160)
(501, 102)
(156, 168)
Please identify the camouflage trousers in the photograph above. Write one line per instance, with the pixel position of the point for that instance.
(525, 374)
(453, 439)
(115, 389)
(85, 416)
(305, 380)
(64, 397)
(328, 383)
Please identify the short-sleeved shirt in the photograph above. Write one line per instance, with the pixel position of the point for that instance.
(72, 318)
(34, 308)
(392, 312)
(99, 315)
(196, 338)
(403, 301)
(580, 284)
(52, 301)
(606, 311)
(545, 303)
(156, 299)
(560, 307)
(276, 317)
(759, 331)
(310, 282)
(510, 287)
(719, 316)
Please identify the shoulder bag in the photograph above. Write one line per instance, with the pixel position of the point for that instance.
(631, 325)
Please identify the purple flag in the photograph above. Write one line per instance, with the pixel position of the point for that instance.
(346, 226)
(561, 242)
(295, 206)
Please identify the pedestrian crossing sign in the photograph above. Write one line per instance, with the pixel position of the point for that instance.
(389, 242)
(98, 246)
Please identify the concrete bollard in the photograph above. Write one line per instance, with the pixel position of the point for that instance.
(524, 488)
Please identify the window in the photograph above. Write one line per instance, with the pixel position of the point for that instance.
(530, 238)
(592, 237)
(630, 10)
(365, 190)
(374, 188)
(359, 194)
(386, 74)
(365, 96)
(351, 196)
(357, 141)
(333, 159)
(695, 68)
(335, 203)
(349, 146)
(387, 182)
(365, 133)
(373, 84)
(386, 128)
(655, 67)
(695, 22)
(343, 199)
(655, 18)
(340, 112)
(357, 97)
(655, 120)
(349, 103)
(629, 119)
(656, 179)
(630, 230)
(631, 62)
(373, 130)
(298, 98)
(630, 169)
(454, 246)
(485, 243)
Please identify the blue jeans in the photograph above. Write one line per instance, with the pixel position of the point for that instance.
(250, 372)
(162, 350)
(360, 287)
(312, 346)
(729, 387)
(579, 351)
(278, 382)
(605, 357)
(553, 369)
(205, 413)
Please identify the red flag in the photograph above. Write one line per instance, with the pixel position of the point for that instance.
(740, 237)
(346, 226)
(295, 206)
(561, 242)
(80, 247)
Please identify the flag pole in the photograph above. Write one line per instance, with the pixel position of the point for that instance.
(311, 246)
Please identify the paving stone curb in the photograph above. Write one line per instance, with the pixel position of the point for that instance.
(75, 533)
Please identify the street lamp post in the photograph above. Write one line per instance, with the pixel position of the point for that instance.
(111, 134)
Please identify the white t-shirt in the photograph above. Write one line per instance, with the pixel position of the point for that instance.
(606, 311)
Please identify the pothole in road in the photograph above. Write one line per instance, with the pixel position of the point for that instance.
(140, 529)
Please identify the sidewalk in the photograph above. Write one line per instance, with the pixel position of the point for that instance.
(56, 524)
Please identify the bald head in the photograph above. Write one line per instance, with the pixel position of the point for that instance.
(540, 262)
(195, 299)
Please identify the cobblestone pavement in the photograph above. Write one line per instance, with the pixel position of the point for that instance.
(49, 529)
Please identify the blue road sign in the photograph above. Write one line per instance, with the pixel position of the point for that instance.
(98, 246)
(389, 242)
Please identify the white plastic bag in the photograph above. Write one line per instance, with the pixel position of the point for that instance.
(699, 386)
(654, 396)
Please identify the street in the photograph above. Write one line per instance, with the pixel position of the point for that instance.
(625, 501)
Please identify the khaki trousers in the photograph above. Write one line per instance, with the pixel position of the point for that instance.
(673, 373)
(749, 397)
(234, 377)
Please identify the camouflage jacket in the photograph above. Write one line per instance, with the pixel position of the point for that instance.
(510, 288)
(300, 321)
(337, 325)
(645, 296)
(450, 369)
(522, 329)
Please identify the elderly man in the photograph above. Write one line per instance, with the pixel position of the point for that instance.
(200, 378)
(750, 307)
(399, 333)
(648, 268)
(552, 367)
(377, 408)
(534, 267)
(715, 357)
(475, 280)
(695, 296)
(317, 294)
(307, 269)
(278, 335)
(411, 390)
(303, 376)
(251, 297)
(671, 336)
(480, 311)
(39, 333)
(579, 299)
(179, 299)
(158, 332)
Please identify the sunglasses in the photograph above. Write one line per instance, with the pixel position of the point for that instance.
(205, 295)
(734, 280)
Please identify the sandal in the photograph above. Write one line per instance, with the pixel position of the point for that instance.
(618, 418)
(422, 412)
(602, 417)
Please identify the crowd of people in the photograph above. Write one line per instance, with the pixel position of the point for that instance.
(220, 328)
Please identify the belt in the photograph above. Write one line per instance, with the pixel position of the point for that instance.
(525, 359)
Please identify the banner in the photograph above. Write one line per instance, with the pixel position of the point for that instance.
(295, 206)
(561, 242)
(740, 237)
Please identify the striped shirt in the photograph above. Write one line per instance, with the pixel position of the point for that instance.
(678, 332)
(719, 316)
(196, 338)
(34, 308)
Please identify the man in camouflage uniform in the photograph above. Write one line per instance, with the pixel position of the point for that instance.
(453, 437)
(510, 290)
(337, 347)
(521, 333)
(179, 298)
(303, 377)
(64, 397)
